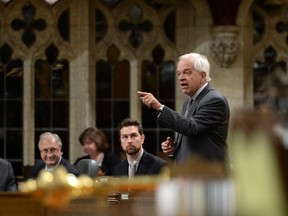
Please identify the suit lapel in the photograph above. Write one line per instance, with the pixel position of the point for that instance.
(141, 169)
(191, 110)
(179, 136)
(125, 168)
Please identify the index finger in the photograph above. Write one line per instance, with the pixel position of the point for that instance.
(141, 93)
(169, 139)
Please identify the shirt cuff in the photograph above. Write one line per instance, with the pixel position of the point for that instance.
(161, 108)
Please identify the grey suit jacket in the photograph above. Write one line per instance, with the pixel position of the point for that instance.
(40, 165)
(148, 165)
(7, 181)
(204, 131)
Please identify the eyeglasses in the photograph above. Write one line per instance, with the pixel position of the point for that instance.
(51, 151)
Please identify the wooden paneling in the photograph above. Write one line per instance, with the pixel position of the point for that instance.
(20, 204)
(136, 204)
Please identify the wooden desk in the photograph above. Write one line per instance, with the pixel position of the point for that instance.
(19, 204)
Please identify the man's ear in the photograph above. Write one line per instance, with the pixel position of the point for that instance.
(203, 75)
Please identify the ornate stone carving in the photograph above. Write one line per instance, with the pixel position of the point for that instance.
(162, 1)
(5, 1)
(224, 46)
(51, 2)
(276, 2)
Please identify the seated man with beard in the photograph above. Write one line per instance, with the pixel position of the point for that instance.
(139, 161)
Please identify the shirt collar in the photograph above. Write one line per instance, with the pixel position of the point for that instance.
(50, 169)
(136, 159)
(198, 91)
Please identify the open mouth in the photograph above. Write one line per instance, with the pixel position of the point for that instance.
(183, 85)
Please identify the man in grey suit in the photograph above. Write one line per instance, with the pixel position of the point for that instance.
(139, 161)
(50, 147)
(7, 180)
(203, 124)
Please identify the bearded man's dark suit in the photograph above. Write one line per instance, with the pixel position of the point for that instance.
(204, 131)
(40, 165)
(148, 165)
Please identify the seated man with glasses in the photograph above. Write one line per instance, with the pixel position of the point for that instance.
(50, 147)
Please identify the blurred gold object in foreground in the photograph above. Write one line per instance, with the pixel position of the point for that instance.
(56, 189)
(52, 188)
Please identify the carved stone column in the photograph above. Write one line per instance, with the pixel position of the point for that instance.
(82, 81)
(224, 45)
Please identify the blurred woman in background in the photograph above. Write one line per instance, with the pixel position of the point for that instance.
(95, 145)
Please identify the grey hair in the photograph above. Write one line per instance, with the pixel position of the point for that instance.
(50, 136)
(200, 63)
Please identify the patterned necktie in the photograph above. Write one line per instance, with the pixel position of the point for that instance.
(188, 107)
(132, 168)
